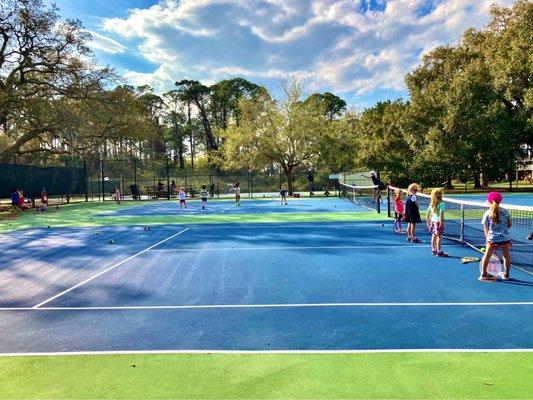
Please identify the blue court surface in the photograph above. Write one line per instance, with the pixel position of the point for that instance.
(350, 285)
(248, 206)
(517, 199)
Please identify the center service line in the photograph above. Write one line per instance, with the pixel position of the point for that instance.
(107, 270)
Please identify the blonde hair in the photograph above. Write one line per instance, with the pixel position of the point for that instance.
(494, 212)
(412, 187)
(436, 199)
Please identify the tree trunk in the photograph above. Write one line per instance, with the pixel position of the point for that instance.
(484, 180)
(210, 143)
(290, 178)
(191, 141)
(178, 139)
(448, 184)
(190, 133)
(477, 182)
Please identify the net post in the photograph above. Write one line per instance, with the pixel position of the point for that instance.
(388, 201)
(462, 231)
(378, 197)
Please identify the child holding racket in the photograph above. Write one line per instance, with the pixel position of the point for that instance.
(283, 195)
(203, 195)
(435, 222)
(183, 197)
(496, 223)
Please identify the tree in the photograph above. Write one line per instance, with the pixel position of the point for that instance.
(333, 106)
(287, 132)
(380, 134)
(41, 59)
(193, 92)
(225, 96)
(177, 120)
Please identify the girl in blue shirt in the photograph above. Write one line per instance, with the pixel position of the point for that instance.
(496, 223)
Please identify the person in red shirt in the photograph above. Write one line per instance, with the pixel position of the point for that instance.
(22, 204)
(44, 202)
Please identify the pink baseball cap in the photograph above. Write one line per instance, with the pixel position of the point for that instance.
(494, 197)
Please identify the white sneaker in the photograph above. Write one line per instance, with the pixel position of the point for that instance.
(503, 277)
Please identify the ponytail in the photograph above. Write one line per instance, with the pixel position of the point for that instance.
(494, 212)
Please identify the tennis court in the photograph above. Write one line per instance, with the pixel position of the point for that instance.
(316, 275)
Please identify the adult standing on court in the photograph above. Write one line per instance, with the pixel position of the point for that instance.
(377, 183)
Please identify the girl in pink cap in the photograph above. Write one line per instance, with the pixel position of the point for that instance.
(496, 223)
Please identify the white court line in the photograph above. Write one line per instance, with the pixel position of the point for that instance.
(422, 246)
(274, 305)
(107, 270)
(309, 224)
(227, 208)
(252, 352)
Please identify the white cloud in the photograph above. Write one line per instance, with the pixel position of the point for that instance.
(337, 45)
(106, 44)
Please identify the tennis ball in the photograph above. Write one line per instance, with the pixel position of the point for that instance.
(482, 249)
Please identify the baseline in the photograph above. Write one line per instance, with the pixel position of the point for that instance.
(273, 305)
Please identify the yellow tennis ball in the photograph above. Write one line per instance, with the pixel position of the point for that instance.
(482, 249)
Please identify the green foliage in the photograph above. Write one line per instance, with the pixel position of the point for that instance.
(288, 133)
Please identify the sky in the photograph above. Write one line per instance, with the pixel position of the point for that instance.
(359, 50)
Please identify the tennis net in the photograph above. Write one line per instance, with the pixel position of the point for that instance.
(463, 224)
(364, 196)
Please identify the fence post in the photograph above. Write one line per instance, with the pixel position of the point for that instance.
(218, 189)
(135, 178)
(102, 177)
(86, 181)
(378, 199)
(69, 180)
(462, 234)
(168, 181)
(250, 183)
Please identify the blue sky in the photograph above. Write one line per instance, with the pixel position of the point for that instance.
(357, 49)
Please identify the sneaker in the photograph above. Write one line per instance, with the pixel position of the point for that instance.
(486, 278)
(503, 276)
(434, 252)
(442, 254)
(415, 240)
(409, 239)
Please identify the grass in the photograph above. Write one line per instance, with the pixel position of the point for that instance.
(86, 215)
(267, 376)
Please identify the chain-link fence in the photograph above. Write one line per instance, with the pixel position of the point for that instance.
(146, 179)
